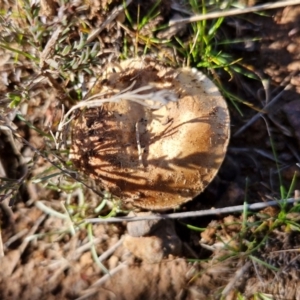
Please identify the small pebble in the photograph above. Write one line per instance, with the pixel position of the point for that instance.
(143, 227)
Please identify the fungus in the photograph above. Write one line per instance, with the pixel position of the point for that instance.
(154, 136)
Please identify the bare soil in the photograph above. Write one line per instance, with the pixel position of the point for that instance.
(41, 257)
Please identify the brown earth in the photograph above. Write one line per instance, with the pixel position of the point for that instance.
(44, 257)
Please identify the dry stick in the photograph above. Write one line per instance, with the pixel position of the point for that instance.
(111, 250)
(15, 259)
(192, 214)
(265, 110)
(234, 12)
(50, 45)
(78, 252)
(95, 286)
(16, 237)
(268, 105)
(113, 15)
(257, 271)
(53, 281)
(112, 272)
(238, 274)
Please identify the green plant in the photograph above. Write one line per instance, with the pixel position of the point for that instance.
(205, 47)
(142, 31)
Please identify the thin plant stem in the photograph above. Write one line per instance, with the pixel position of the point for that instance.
(193, 214)
(234, 12)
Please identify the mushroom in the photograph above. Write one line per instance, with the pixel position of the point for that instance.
(158, 137)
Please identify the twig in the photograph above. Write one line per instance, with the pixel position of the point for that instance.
(112, 272)
(113, 15)
(238, 274)
(192, 214)
(32, 231)
(265, 110)
(111, 250)
(233, 12)
(257, 271)
(16, 237)
(50, 45)
(18, 253)
(95, 286)
(52, 282)
(78, 252)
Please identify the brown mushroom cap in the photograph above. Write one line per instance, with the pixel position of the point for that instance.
(158, 159)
